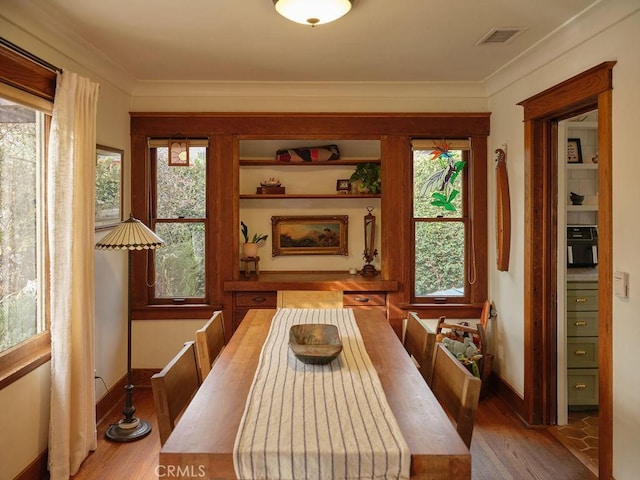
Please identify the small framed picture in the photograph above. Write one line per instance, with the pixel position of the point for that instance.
(343, 185)
(178, 153)
(574, 150)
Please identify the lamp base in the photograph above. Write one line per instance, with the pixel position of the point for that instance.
(368, 271)
(128, 432)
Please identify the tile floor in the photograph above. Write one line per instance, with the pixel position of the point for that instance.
(580, 436)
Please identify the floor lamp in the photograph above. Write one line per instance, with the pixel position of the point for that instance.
(129, 235)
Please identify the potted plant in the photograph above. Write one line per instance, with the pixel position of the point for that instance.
(366, 178)
(250, 248)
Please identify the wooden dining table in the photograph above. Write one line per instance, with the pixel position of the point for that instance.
(202, 443)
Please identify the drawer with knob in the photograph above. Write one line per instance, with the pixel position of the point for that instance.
(364, 299)
(582, 324)
(245, 301)
(256, 299)
(582, 386)
(582, 300)
(582, 352)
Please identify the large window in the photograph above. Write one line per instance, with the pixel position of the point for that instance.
(21, 163)
(24, 122)
(443, 267)
(179, 217)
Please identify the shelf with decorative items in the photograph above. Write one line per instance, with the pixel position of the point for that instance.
(582, 170)
(307, 181)
(307, 170)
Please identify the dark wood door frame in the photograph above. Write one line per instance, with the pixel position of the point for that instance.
(587, 91)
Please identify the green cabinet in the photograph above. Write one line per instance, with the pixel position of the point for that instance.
(582, 343)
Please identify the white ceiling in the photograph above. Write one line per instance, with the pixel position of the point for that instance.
(247, 41)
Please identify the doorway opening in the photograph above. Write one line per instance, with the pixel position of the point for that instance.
(589, 90)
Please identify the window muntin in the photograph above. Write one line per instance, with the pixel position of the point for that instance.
(22, 137)
(179, 217)
(440, 223)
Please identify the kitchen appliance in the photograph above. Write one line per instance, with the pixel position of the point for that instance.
(582, 245)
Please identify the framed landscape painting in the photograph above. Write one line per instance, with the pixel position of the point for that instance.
(108, 187)
(310, 235)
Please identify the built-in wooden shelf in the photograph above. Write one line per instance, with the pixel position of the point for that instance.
(273, 281)
(262, 162)
(264, 196)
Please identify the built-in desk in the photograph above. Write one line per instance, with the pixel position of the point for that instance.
(261, 291)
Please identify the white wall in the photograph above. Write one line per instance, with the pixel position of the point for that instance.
(24, 416)
(25, 404)
(582, 48)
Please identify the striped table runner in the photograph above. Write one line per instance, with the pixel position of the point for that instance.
(318, 421)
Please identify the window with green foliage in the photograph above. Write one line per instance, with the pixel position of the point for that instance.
(440, 220)
(21, 237)
(179, 217)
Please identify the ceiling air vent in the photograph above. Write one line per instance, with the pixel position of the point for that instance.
(500, 36)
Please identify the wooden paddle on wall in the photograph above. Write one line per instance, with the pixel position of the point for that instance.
(503, 212)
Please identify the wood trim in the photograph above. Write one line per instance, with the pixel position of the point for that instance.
(323, 281)
(605, 284)
(114, 397)
(509, 395)
(584, 92)
(394, 130)
(574, 94)
(36, 470)
(307, 125)
(111, 399)
(25, 357)
(25, 75)
(22, 73)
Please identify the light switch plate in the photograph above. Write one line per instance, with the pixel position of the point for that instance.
(621, 284)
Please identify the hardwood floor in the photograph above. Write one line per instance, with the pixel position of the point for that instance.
(501, 448)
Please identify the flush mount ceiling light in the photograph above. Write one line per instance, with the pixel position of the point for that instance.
(312, 12)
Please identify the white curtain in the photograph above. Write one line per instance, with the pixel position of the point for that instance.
(70, 230)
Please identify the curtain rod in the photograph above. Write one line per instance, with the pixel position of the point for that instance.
(28, 55)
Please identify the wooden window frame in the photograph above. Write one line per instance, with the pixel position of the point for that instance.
(155, 220)
(464, 218)
(393, 130)
(475, 216)
(24, 74)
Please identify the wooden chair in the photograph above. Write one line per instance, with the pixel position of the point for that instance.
(457, 390)
(210, 343)
(174, 387)
(420, 342)
(309, 299)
